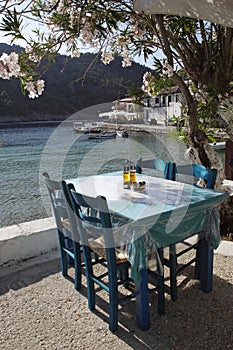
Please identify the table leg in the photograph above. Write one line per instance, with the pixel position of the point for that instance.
(206, 266)
(142, 302)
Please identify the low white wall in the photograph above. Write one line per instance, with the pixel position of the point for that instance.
(33, 238)
(27, 240)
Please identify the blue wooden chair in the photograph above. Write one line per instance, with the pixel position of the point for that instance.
(166, 170)
(68, 237)
(100, 226)
(208, 178)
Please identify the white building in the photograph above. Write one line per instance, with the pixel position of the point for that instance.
(124, 110)
(161, 108)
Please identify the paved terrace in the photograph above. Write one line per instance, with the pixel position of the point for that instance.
(40, 309)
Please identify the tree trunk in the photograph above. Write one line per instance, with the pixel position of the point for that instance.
(200, 151)
(226, 113)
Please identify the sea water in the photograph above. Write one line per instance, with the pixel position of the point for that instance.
(28, 151)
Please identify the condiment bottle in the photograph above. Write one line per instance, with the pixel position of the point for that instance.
(133, 178)
(126, 175)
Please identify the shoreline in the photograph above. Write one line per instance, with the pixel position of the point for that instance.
(106, 126)
(159, 128)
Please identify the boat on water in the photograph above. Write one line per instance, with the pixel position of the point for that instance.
(218, 145)
(86, 128)
(122, 133)
(103, 135)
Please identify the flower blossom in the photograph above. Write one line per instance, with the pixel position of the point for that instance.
(61, 7)
(9, 65)
(87, 37)
(35, 88)
(107, 57)
(122, 41)
(75, 54)
(72, 19)
(137, 30)
(168, 70)
(147, 79)
(126, 62)
(31, 55)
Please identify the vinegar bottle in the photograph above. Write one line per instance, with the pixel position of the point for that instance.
(126, 175)
(133, 178)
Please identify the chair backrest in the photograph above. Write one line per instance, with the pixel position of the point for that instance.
(167, 168)
(198, 171)
(57, 202)
(61, 205)
(93, 219)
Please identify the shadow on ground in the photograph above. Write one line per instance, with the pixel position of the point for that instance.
(39, 306)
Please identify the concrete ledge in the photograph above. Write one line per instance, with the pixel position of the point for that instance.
(27, 240)
(225, 248)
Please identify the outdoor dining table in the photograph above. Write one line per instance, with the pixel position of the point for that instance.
(164, 212)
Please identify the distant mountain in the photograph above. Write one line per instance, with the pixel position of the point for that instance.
(65, 93)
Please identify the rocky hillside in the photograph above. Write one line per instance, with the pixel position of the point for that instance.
(65, 92)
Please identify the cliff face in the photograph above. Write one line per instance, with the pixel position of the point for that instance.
(65, 92)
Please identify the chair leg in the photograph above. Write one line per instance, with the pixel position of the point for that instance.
(69, 245)
(142, 301)
(113, 317)
(77, 266)
(113, 300)
(64, 264)
(197, 263)
(173, 267)
(160, 282)
(89, 274)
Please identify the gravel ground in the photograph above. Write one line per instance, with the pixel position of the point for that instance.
(40, 309)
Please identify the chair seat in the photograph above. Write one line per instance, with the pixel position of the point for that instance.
(98, 246)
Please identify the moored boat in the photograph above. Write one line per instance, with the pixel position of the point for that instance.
(86, 128)
(103, 135)
(122, 133)
(218, 145)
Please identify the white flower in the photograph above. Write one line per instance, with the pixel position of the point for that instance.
(31, 55)
(122, 41)
(61, 7)
(147, 78)
(9, 66)
(137, 30)
(35, 88)
(107, 57)
(75, 54)
(72, 19)
(87, 36)
(168, 70)
(126, 62)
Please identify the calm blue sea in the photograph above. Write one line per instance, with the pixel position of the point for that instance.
(27, 152)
